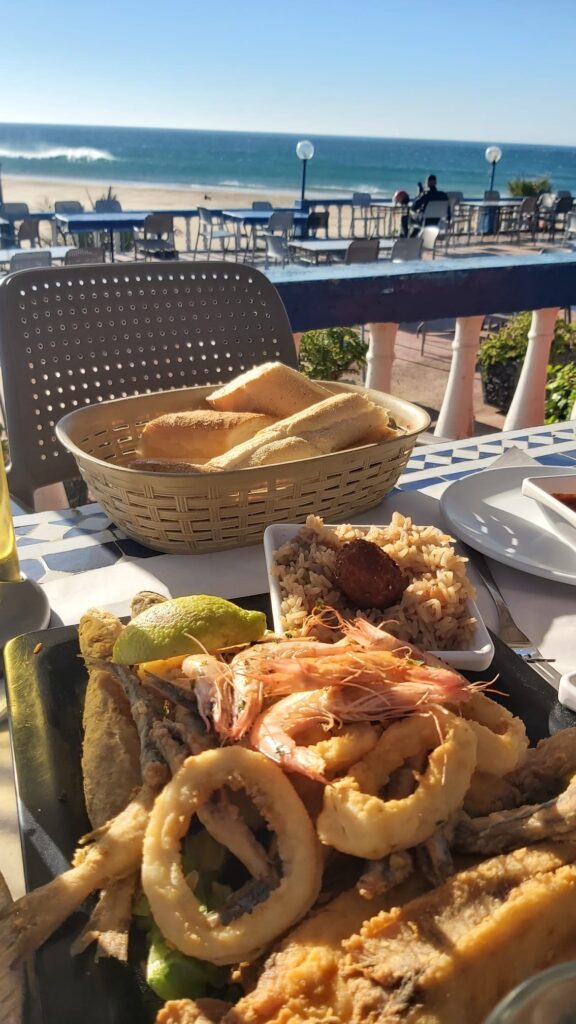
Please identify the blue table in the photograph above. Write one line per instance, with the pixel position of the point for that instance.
(252, 218)
(111, 222)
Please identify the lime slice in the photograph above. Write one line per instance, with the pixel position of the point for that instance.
(186, 625)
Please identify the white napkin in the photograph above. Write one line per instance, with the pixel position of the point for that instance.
(236, 573)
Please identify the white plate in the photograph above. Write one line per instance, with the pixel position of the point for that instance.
(488, 511)
(476, 659)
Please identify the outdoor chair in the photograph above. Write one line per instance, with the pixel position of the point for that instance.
(15, 211)
(459, 217)
(141, 328)
(277, 250)
(363, 250)
(280, 222)
(211, 230)
(262, 204)
(30, 258)
(157, 238)
(318, 221)
(84, 256)
(436, 211)
(360, 213)
(67, 206)
(570, 231)
(430, 236)
(107, 206)
(405, 249)
(28, 231)
(554, 218)
(525, 218)
(491, 195)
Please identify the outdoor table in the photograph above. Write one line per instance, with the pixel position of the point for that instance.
(253, 218)
(57, 252)
(330, 247)
(75, 223)
(81, 559)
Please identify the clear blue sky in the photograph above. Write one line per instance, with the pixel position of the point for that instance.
(454, 69)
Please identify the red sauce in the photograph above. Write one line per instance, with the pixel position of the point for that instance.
(567, 499)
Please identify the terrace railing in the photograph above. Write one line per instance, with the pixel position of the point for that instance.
(383, 297)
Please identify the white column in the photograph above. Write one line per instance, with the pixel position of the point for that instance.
(456, 417)
(380, 356)
(527, 408)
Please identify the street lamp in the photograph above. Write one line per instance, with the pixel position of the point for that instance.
(493, 154)
(304, 152)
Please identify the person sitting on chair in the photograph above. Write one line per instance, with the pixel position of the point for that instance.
(429, 195)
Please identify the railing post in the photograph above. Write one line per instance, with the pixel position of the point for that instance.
(527, 408)
(456, 417)
(380, 356)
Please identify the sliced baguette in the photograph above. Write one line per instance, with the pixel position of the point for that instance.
(198, 435)
(339, 422)
(271, 388)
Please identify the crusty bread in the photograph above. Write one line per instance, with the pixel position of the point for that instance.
(199, 435)
(271, 388)
(287, 449)
(339, 422)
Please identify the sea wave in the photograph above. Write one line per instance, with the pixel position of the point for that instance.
(71, 153)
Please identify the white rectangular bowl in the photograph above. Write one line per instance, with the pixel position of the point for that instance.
(542, 490)
(476, 658)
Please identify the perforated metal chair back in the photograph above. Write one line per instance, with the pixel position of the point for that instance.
(84, 256)
(68, 206)
(107, 206)
(74, 336)
(406, 249)
(363, 250)
(30, 258)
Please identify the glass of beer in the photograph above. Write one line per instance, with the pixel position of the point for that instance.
(9, 567)
(546, 998)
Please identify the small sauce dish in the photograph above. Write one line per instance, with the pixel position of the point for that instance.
(557, 496)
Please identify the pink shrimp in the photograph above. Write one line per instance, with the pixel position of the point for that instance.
(365, 634)
(273, 732)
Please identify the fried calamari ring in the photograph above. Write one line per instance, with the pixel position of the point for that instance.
(174, 906)
(501, 737)
(347, 746)
(355, 820)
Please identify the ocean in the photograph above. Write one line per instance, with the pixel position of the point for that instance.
(268, 161)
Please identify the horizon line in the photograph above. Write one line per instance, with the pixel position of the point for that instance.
(291, 134)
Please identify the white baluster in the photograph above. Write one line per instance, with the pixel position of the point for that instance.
(380, 356)
(456, 417)
(527, 408)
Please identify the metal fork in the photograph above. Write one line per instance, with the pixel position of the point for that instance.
(507, 629)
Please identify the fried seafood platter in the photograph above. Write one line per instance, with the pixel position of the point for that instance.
(287, 830)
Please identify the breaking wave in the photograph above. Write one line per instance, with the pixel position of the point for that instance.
(73, 154)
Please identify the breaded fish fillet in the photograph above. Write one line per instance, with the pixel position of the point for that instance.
(111, 748)
(451, 955)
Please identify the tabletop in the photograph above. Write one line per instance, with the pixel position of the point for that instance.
(57, 252)
(57, 548)
(331, 244)
(102, 221)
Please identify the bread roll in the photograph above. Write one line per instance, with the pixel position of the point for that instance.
(199, 435)
(342, 421)
(271, 388)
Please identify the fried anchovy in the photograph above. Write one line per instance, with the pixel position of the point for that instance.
(382, 875)
(170, 739)
(242, 901)
(197, 738)
(170, 691)
(434, 857)
(109, 922)
(226, 825)
(154, 769)
(507, 830)
(143, 600)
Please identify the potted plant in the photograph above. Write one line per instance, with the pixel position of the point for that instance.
(502, 354)
(560, 392)
(327, 354)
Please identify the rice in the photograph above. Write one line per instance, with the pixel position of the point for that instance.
(433, 611)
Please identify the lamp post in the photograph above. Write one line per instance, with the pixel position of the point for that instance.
(493, 154)
(304, 152)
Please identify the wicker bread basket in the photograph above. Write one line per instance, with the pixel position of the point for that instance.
(209, 512)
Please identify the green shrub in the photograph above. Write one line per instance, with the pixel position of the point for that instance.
(509, 344)
(328, 353)
(560, 392)
(527, 187)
